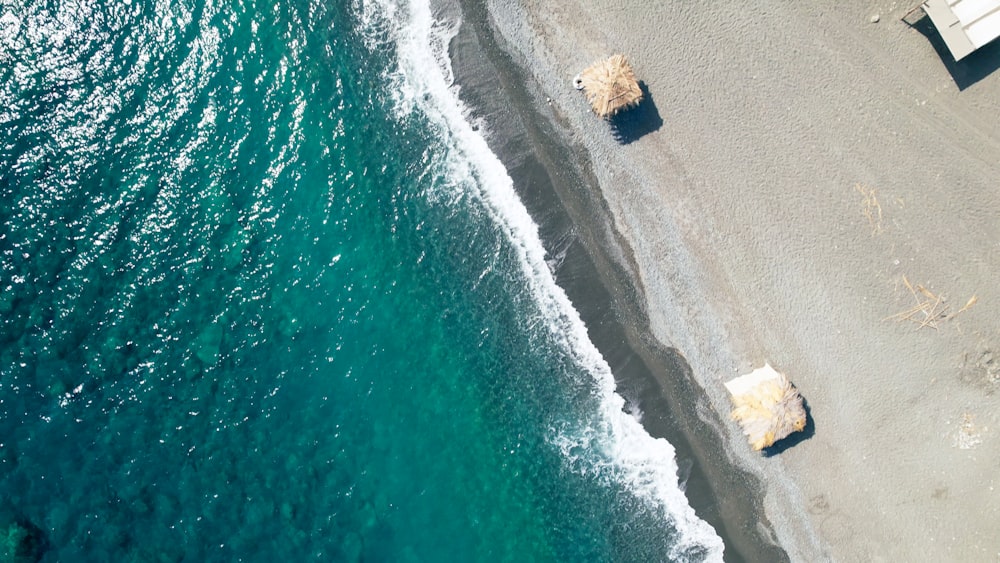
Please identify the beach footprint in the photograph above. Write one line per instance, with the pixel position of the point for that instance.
(819, 505)
(981, 368)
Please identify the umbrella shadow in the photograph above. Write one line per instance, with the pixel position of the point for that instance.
(971, 69)
(629, 126)
(795, 439)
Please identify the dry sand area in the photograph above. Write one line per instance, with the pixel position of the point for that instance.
(822, 194)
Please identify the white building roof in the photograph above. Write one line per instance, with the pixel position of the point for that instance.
(965, 25)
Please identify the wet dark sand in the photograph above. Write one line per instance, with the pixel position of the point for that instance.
(553, 180)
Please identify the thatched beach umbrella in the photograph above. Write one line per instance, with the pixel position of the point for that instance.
(610, 86)
(767, 406)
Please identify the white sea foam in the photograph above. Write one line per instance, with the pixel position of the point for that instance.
(424, 83)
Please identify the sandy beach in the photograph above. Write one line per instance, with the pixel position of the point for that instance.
(811, 188)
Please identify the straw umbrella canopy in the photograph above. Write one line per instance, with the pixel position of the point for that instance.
(610, 86)
(767, 406)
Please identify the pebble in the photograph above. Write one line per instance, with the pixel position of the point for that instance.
(875, 18)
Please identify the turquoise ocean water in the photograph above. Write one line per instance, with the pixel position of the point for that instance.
(265, 295)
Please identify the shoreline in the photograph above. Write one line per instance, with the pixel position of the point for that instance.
(553, 179)
(807, 164)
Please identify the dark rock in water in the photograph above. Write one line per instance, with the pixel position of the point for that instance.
(21, 542)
